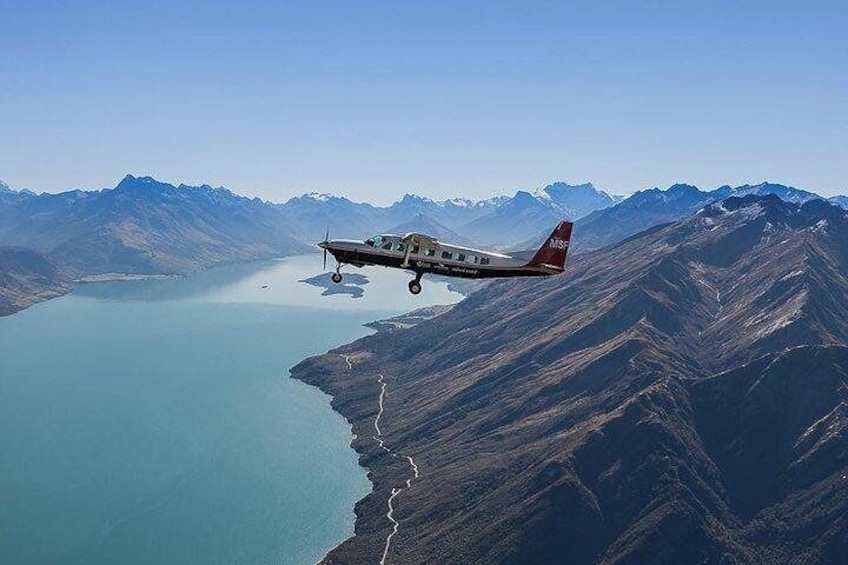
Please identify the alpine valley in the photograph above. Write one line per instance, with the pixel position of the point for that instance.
(679, 395)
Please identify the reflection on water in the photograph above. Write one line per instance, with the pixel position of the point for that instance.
(153, 421)
(280, 282)
(174, 288)
(352, 285)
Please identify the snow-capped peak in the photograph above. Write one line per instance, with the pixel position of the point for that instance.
(461, 202)
(319, 196)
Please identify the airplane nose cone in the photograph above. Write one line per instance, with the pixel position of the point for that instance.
(322, 244)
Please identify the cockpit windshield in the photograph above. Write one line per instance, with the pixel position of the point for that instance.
(374, 241)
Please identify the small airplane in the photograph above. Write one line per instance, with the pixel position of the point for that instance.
(422, 254)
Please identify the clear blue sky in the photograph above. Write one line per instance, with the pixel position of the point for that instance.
(443, 98)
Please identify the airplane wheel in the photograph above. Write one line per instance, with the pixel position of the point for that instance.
(337, 278)
(414, 287)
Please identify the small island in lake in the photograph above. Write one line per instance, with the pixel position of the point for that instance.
(353, 283)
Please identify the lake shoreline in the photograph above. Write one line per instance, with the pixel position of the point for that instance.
(178, 342)
(67, 283)
(358, 397)
(21, 303)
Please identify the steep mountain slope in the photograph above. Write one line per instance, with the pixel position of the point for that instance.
(677, 398)
(27, 277)
(146, 226)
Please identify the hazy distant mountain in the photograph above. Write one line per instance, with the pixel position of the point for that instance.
(840, 201)
(146, 226)
(312, 214)
(527, 214)
(575, 201)
(450, 213)
(510, 222)
(499, 221)
(677, 398)
(27, 277)
(787, 193)
(524, 219)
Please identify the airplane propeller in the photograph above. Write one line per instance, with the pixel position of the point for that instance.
(326, 240)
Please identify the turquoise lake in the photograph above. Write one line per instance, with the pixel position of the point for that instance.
(155, 421)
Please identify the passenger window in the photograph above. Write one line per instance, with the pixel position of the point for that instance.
(400, 247)
(447, 255)
(430, 252)
(472, 259)
(387, 245)
(415, 249)
(461, 257)
(369, 242)
(484, 260)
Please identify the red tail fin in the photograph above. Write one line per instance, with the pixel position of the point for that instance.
(551, 256)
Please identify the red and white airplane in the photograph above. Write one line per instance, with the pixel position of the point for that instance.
(422, 254)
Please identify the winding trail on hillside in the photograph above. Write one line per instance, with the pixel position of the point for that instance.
(378, 439)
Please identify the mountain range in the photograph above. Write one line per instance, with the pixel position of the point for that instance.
(648, 208)
(523, 220)
(501, 221)
(143, 226)
(677, 397)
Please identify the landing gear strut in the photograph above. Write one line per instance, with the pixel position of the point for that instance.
(415, 285)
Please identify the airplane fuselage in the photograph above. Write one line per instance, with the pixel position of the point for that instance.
(440, 258)
(423, 254)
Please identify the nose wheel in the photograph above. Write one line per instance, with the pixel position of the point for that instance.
(337, 277)
(415, 285)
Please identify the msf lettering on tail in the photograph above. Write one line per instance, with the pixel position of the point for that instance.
(551, 256)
